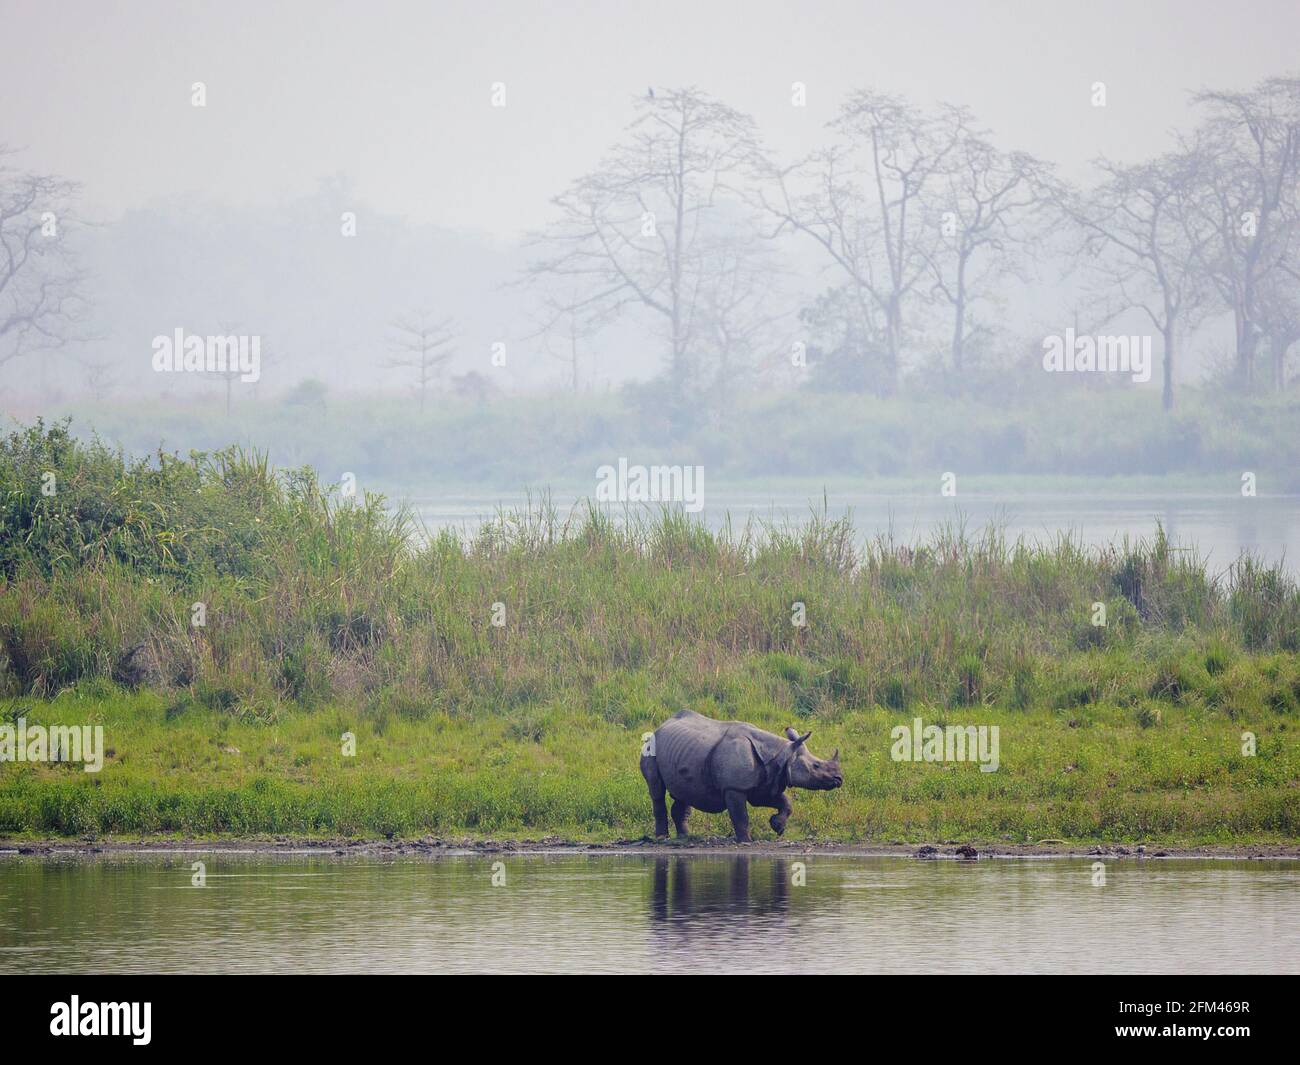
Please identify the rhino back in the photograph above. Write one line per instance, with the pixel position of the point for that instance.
(683, 746)
(699, 757)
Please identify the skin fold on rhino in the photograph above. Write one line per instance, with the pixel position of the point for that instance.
(729, 765)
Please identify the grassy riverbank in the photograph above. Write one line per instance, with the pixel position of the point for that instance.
(1091, 774)
(320, 619)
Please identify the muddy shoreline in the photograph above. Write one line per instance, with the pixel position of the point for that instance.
(714, 845)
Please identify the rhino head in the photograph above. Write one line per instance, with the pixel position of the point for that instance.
(803, 770)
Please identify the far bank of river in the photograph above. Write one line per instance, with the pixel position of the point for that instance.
(1209, 517)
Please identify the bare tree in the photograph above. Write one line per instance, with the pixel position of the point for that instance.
(982, 203)
(575, 331)
(636, 231)
(865, 207)
(232, 373)
(1140, 227)
(739, 323)
(1278, 309)
(1251, 142)
(423, 344)
(565, 324)
(40, 278)
(100, 377)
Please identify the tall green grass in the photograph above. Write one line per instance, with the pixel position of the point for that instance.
(309, 597)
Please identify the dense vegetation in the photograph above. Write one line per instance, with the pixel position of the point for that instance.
(323, 616)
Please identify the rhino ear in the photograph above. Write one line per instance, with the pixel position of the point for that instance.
(781, 764)
(791, 734)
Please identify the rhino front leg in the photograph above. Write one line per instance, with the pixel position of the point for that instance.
(680, 813)
(650, 770)
(782, 815)
(738, 808)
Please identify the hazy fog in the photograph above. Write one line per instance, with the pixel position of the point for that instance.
(349, 164)
(395, 95)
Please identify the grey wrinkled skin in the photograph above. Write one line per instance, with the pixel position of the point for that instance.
(730, 765)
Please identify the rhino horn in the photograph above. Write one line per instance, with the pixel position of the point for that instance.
(836, 756)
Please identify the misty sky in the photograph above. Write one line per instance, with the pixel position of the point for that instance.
(396, 96)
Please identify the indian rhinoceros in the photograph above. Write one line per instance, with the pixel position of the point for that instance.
(729, 765)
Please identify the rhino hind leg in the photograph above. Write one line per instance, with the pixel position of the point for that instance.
(655, 782)
(680, 813)
(782, 815)
(738, 808)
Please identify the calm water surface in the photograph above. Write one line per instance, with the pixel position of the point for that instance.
(641, 913)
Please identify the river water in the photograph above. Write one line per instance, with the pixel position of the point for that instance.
(1220, 527)
(642, 913)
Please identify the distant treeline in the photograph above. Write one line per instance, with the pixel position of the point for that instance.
(923, 226)
(897, 255)
(560, 440)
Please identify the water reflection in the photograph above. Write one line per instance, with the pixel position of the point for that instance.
(640, 913)
(688, 890)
